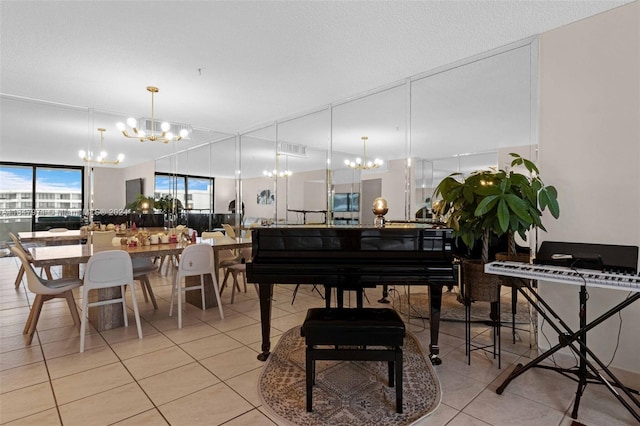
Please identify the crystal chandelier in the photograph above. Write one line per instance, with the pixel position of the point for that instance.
(362, 163)
(165, 137)
(102, 157)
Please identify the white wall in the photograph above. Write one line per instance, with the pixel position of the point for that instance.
(108, 189)
(225, 191)
(590, 150)
(393, 189)
(146, 171)
(109, 192)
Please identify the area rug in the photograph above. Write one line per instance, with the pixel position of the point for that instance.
(346, 392)
(453, 310)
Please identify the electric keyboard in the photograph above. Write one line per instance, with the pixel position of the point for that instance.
(584, 265)
(566, 275)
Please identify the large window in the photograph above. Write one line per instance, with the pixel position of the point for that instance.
(196, 195)
(30, 194)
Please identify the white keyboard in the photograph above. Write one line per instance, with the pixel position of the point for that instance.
(565, 275)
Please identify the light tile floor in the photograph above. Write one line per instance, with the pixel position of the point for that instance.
(207, 372)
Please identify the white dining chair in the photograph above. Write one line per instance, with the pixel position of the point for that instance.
(45, 290)
(106, 269)
(196, 260)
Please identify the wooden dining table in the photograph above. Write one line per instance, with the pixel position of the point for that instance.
(69, 236)
(105, 317)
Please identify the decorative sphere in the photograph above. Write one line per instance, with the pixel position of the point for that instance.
(380, 206)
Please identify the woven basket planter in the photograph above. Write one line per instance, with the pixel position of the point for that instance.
(479, 286)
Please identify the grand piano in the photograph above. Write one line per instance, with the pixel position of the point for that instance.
(352, 257)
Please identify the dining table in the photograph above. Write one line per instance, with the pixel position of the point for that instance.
(105, 317)
(51, 237)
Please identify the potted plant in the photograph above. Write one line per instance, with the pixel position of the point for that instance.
(171, 207)
(495, 202)
(141, 204)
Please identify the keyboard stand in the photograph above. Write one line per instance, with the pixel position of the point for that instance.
(586, 372)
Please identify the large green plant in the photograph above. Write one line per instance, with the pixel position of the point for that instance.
(140, 204)
(495, 201)
(167, 204)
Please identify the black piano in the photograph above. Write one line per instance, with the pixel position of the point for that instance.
(351, 257)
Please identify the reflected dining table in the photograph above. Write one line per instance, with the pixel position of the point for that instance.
(106, 317)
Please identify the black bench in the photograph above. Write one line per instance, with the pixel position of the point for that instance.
(347, 333)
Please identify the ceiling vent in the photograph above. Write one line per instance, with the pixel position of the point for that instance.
(146, 125)
(293, 149)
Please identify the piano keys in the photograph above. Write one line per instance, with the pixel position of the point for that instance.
(566, 275)
(351, 257)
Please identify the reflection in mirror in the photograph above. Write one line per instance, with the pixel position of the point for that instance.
(380, 116)
(259, 191)
(302, 149)
(461, 117)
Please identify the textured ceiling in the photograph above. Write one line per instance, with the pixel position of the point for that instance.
(231, 66)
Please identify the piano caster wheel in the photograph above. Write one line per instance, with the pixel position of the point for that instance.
(383, 300)
(263, 356)
(435, 359)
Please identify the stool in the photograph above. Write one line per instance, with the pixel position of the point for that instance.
(348, 332)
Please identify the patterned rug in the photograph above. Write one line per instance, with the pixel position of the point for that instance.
(454, 311)
(346, 392)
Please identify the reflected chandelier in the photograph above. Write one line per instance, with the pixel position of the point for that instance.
(166, 135)
(362, 163)
(277, 173)
(102, 158)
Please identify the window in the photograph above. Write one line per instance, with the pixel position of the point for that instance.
(195, 193)
(17, 182)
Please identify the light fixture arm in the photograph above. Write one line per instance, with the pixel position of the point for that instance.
(363, 164)
(165, 137)
(364, 149)
(87, 157)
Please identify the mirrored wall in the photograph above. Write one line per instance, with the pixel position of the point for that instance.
(458, 119)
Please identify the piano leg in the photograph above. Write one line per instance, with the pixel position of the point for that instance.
(385, 294)
(435, 300)
(266, 294)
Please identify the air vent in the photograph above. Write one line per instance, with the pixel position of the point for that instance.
(294, 149)
(175, 127)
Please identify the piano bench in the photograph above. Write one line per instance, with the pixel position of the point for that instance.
(345, 334)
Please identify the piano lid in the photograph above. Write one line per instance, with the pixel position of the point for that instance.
(609, 257)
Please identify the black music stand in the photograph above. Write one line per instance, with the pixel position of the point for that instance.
(585, 372)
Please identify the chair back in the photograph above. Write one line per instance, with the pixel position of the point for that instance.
(228, 229)
(212, 235)
(108, 268)
(19, 244)
(196, 259)
(34, 282)
(245, 254)
(103, 238)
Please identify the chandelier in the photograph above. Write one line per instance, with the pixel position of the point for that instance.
(102, 157)
(362, 163)
(277, 173)
(165, 137)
